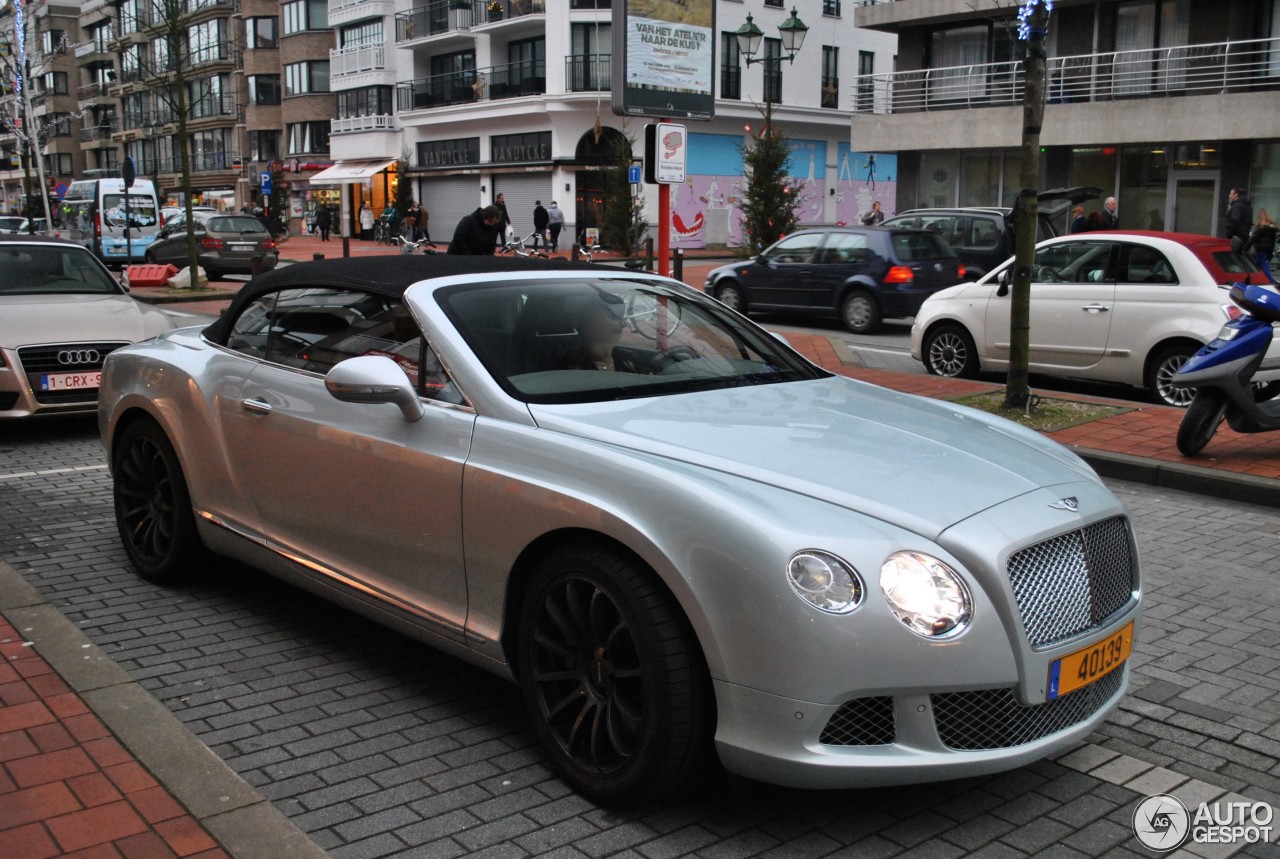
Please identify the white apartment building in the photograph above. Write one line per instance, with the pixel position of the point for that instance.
(513, 97)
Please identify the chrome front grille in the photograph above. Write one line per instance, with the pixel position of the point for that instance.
(1073, 582)
(861, 722)
(993, 718)
(64, 358)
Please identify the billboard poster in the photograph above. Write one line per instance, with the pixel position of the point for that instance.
(666, 50)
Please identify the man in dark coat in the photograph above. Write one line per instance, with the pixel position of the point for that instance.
(324, 222)
(504, 222)
(540, 221)
(1239, 218)
(476, 233)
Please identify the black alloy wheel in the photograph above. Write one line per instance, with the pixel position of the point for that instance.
(611, 676)
(153, 509)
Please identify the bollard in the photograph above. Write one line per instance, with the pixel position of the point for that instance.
(677, 264)
(346, 246)
(255, 265)
(317, 257)
(648, 254)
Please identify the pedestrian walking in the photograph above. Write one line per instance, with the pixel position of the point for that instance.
(875, 216)
(366, 222)
(555, 223)
(324, 222)
(1110, 214)
(476, 233)
(505, 230)
(1239, 218)
(1262, 241)
(540, 221)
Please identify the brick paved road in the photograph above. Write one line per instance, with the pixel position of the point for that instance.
(379, 746)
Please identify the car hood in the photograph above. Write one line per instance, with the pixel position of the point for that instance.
(917, 463)
(27, 319)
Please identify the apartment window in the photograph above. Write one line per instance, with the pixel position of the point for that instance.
(207, 42)
(458, 63)
(831, 7)
(58, 164)
(209, 97)
(302, 78)
(262, 32)
(730, 66)
(101, 38)
(59, 124)
(361, 35)
(53, 42)
(264, 145)
(830, 94)
(52, 83)
(303, 15)
(866, 86)
(777, 3)
(210, 149)
(308, 138)
(264, 89)
(159, 57)
(366, 101)
(773, 71)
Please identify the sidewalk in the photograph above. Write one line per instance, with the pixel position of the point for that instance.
(90, 761)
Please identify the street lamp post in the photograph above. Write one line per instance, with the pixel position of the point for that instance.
(791, 32)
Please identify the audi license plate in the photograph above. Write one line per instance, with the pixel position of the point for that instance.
(1089, 663)
(242, 248)
(70, 381)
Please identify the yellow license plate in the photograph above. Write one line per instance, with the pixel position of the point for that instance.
(1089, 663)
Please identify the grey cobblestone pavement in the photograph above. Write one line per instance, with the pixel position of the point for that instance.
(376, 746)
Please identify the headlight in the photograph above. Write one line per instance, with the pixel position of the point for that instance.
(824, 581)
(925, 594)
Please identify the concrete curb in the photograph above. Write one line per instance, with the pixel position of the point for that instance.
(245, 824)
(1188, 478)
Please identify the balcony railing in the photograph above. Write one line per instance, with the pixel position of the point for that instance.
(97, 132)
(435, 18)
(588, 72)
(92, 47)
(509, 81)
(93, 90)
(202, 162)
(351, 61)
(378, 122)
(496, 10)
(1241, 66)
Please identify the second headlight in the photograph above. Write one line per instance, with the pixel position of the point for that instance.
(925, 594)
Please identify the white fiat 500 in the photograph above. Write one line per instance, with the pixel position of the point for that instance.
(683, 540)
(1125, 307)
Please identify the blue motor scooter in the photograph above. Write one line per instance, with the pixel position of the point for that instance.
(1222, 373)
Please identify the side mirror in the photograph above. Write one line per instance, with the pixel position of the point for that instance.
(374, 379)
(1004, 283)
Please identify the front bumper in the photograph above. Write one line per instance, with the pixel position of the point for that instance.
(901, 739)
(22, 393)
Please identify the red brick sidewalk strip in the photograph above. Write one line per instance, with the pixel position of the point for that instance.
(67, 786)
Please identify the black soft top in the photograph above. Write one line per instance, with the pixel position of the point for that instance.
(383, 275)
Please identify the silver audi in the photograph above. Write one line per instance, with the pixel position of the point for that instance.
(61, 314)
(684, 541)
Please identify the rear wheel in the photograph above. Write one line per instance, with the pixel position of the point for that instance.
(950, 351)
(1201, 421)
(152, 506)
(1161, 370)
(612, 677)
(860, 313)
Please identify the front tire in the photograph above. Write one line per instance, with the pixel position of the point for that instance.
(152, 505)
(731, 297)
(949, 351)
(1160, 373)
(613, 678)
(1201, 421)
(860, 313)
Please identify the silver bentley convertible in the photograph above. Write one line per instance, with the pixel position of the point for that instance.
(684, 541)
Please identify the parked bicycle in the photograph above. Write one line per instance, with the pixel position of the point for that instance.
(407, 247)
(525, 247)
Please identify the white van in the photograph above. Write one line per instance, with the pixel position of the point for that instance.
(93, 213)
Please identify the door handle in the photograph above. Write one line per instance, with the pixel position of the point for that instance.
(1092, 307)
(257, 406)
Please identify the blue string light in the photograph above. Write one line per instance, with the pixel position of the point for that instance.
(1025, 13)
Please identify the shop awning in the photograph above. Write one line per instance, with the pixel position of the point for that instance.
(347, 172)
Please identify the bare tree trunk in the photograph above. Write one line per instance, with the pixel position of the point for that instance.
(1026, 212)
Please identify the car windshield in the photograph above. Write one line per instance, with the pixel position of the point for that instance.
(40, 270)
(583, 341)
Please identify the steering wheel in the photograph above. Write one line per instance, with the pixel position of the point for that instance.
(674, 355)
(1045, 274)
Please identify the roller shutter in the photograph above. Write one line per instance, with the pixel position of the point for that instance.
(521, 190)
(447, 199)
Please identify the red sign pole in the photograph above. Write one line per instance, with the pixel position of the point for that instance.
(664, 230)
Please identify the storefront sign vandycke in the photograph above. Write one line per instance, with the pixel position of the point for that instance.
(449, 153)
(520, 148)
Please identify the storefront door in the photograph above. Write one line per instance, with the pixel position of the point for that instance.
(1193, 202)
